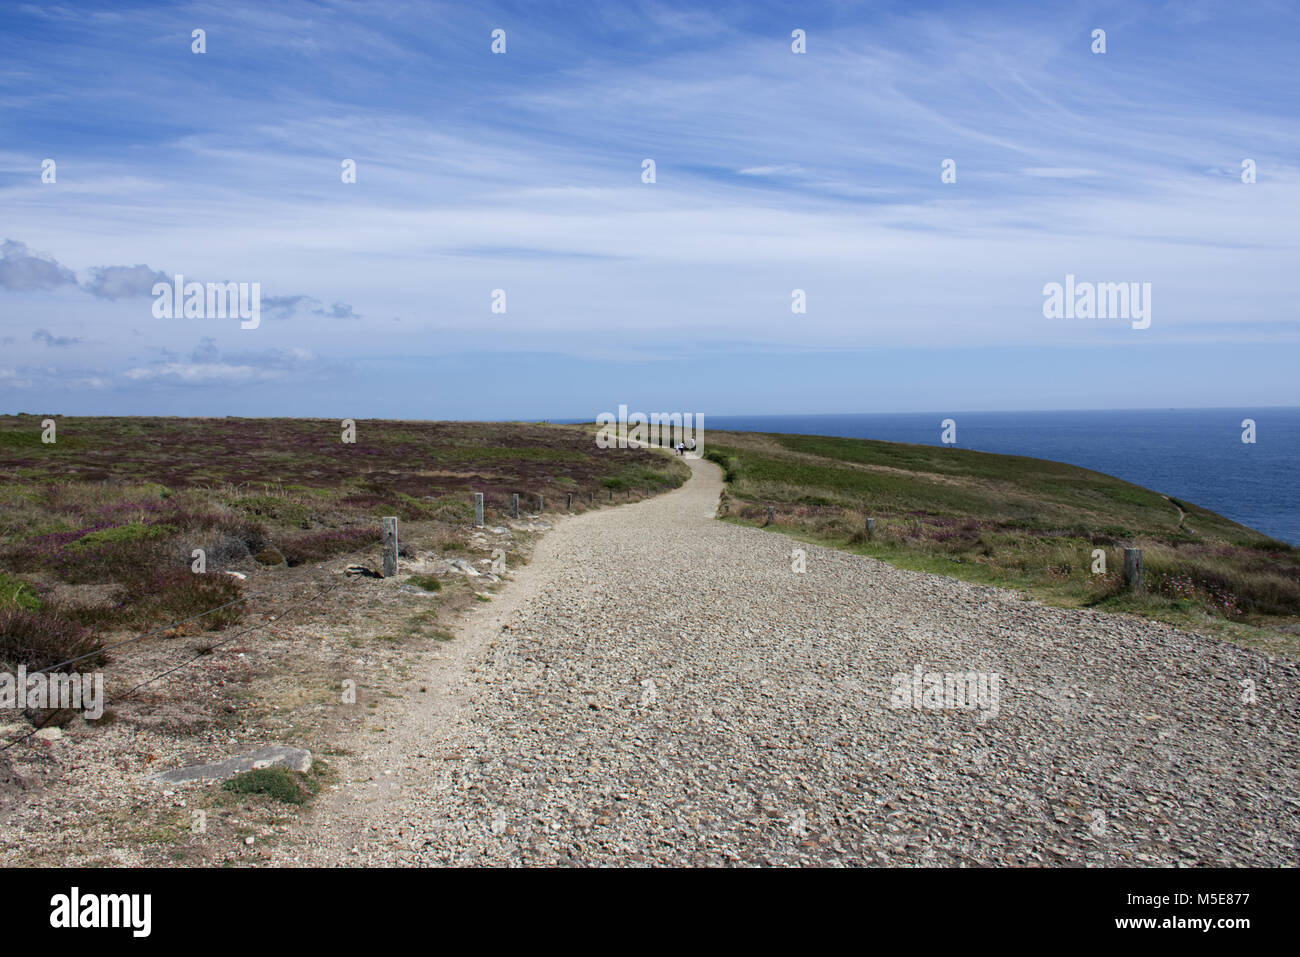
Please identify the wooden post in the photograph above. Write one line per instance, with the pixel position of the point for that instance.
(1133, 568)
(390, 546)
(871, 527)
(591, 498)
(541, 503)
(570, 502)
(478, 509)
(516, 506)
(611, 495)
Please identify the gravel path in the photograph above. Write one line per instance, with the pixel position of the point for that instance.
(660, 687)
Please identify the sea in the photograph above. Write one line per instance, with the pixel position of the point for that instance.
(1192, 454)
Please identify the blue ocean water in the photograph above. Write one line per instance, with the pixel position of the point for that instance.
(1193, 454)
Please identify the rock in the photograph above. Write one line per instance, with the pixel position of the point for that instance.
(449, 566)
(49, 734)
(10, 779)
(416, 590)
(274, 755)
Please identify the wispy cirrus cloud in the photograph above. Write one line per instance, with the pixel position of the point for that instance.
(775, 171)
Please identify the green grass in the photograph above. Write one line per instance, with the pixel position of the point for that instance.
(280, 783)
(17, 594)
(124, 534)
(427, 582)
(1021, 523)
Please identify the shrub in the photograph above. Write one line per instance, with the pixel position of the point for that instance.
(173, 594)
(319, 546)
(729, 470)
(281, 509)
(225, 550)
(40, 639)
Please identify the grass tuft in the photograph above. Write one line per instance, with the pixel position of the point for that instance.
(279, 783)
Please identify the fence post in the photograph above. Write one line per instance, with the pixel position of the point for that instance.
(478, 509)
(591, 498)
(871, 527)
(1133, 568)
(611, 495)
(541, 503)
(570, 501)
(771, 514)
(390, 546)
(516, 505)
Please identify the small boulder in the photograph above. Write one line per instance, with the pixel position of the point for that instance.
(274, 755)
(49, 736)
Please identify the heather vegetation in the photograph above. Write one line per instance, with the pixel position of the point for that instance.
(1018, 522)
(98, 529)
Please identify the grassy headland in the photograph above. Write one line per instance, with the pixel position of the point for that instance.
(1021, 523)
(97, 528)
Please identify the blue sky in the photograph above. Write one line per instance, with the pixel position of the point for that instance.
(522, 172)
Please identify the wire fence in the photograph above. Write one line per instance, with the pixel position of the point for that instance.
(244, 598)
(203, 654)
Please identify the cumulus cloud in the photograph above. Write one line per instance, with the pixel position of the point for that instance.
(284, 307)
(205, 351)
(123, 282)
(43, 379)
(43, 335)
(208, 366)
(21, 269)
(196, 373)
(340, 310)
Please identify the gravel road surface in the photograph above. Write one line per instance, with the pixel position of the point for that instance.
(658, 687)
